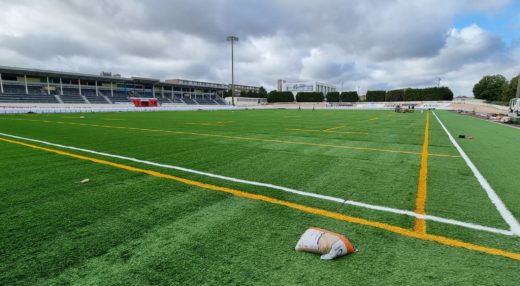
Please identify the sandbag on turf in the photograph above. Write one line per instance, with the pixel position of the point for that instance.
(327, 243)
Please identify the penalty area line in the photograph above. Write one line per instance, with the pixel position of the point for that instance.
(281, 188)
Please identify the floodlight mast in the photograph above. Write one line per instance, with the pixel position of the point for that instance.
(232, 39)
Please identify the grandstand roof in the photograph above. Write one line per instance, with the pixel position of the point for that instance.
(39, 72)
(106, 78)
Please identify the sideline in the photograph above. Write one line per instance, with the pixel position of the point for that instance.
(303, 208)
(271, 186)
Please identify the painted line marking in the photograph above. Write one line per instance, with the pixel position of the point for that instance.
(285, 189)
(113, 119)
(374, 118)
(334, 128)
(216, 123)
(325, 131)
(422, 187)
(320, 212)
(204, 124)
(235, 137)
(72, 117)
(495, 199)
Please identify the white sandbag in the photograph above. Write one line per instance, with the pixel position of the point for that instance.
(327, 243)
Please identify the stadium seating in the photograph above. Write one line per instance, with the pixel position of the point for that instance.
(14, 89)
(205, 101)
(16, 93)
(72, 99)
(70, 91)
(35, 89)
(96, 99)
(88, 91)
(177, 99)
(220, 101)
(164, 100)
(188, 100)
(27, 98)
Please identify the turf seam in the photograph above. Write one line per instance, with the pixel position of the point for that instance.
(324, 213)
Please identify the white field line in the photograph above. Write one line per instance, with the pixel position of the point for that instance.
(495, 199)
(289, 190)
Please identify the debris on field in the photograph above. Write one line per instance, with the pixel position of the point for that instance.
(327, 243)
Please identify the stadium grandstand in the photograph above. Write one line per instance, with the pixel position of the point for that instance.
(21, 85)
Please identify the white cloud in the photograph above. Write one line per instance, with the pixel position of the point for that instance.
(373, 43)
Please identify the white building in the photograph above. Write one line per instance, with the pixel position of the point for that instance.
(308, 86)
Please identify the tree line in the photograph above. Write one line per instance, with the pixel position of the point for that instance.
(405, 94)
(495, 88)
(411, 94)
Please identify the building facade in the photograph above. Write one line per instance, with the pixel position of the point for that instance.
(46, 86)
(309, 86)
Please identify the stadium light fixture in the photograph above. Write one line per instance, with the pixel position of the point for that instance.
(232, 39)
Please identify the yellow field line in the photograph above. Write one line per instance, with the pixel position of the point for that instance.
(420, 224)
(334, 128)
(237, 137)
(325, 131)
(320, 212)
(375, 118)
(217, 123)
(205, 124)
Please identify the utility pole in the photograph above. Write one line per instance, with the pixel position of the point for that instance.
(439, 82)
(232, 39)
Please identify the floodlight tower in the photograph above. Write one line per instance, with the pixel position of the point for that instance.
(232, 39)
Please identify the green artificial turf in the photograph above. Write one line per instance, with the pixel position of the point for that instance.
(494, 149)
(125, 228)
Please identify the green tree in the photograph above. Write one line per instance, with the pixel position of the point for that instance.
(309, 97)
(349, 96)
(333, 96)
(490, 87)
(510, 91)
(376, 95)
(395, 95)
(262, 93)
(280, 96)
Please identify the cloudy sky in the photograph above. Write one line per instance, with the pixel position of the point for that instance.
(370, 44)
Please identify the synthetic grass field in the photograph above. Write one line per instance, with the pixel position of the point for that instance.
(136, 223)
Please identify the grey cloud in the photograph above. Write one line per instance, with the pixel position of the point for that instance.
(373, 43)
(38, 46)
